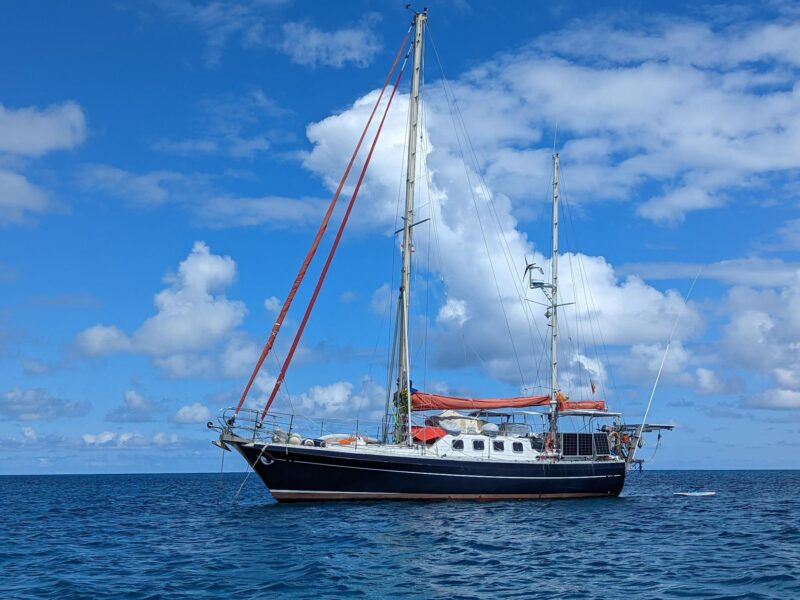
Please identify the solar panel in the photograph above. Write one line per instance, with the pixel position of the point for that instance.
(601, 444)
(585, 444)
(569, 444)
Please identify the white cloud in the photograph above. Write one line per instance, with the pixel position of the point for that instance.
(193, 413)
(644, 360)
(238, 357)
(628, 310)
(671, 208)
(273, 304)
(135, 408)
(29, 435)
(675, 106)
(189, 313)
(762, 334)
(340, 399)
(776, 399)
(453, 311)
(708, 382)
(38, 405)
(194, 322)
(27, 133)
(20, 199)
(310, 46)
(788, 235)
(102, 339)
(112, 439)
(33, 131)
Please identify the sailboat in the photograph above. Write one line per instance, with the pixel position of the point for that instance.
(481, 449)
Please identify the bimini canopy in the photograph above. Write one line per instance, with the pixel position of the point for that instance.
(423, 401)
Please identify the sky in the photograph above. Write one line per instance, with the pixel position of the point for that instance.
(164, 166)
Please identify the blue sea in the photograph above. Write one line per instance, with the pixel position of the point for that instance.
(180, 536)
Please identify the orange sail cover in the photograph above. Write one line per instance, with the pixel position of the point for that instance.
(423, 401)
(582, 405)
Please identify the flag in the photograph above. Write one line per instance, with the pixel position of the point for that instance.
(591, 383)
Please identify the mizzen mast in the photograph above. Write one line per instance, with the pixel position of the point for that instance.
(403, 397)
(553, 312)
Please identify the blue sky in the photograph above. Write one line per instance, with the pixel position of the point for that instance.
(163, 166)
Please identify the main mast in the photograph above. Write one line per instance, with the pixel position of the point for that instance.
(403, 398)
(554, 313)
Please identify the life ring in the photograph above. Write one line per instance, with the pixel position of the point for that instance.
(614, 438)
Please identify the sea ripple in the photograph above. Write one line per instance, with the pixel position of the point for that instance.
(180, 536)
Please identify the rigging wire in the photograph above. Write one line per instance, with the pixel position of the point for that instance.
(598, 339)
(504, 244)
(453, 112)
(663, 361)
(335, 244)
(320, 232)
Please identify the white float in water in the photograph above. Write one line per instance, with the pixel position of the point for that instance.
(694, 493)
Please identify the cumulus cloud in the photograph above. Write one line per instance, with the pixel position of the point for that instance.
(194, 322)
(474, 222)
(38, 405)
(676, 111)
(193, 413)
(135, 408)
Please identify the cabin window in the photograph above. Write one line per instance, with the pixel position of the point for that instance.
(498, 446)
(477, 445)
(517, 446)
(458, 444)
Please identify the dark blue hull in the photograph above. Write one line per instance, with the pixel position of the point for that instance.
(297, 473)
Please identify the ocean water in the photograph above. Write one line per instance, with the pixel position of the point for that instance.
(153, 536)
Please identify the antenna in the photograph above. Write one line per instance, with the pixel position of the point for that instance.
(555, 137)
